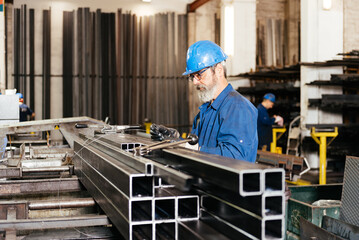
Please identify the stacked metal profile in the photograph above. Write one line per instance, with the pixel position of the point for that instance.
(220, 198)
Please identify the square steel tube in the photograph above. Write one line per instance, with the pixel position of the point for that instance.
(165, 208)
(128, 180)
(273, 205)
(250, 183)
(166, 231)
(262, 228)
(219, 171)
(141, 231)
(116, 204)
(274, 180)
(141, 210)
(246, 221)
(250, 203)
(187, 206)
(136, 162)
(273, 228)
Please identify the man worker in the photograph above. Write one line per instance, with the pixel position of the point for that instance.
(226, 122)
(24, 109)
(265, 122)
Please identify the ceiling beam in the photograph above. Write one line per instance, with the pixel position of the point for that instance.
(196, 4)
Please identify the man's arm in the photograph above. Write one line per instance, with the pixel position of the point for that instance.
(264, 118)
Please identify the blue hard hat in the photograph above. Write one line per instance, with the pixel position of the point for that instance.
(203, 54)
(270, 97)
(19, 95)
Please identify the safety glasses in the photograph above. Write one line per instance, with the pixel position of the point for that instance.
(197, 75)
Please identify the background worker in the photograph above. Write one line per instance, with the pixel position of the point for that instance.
(226, 122)
(265, 122)
(24, 109)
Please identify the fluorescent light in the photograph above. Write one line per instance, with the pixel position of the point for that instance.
(146, 0)
(327, 4)
(229, 30)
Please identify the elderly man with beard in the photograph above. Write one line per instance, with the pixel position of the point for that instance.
(227, 122)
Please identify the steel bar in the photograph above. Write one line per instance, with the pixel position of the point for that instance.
(288, 162)
(20, 187)
(128, 180)
(10, 172)
(32, 58)
(142, 165)
(48, 169)
(104, 64)
(46, 63)
(47, 223)
(78, 233)
(309, 231)
(16, 48)
(340, 228)
(112, 68)
(181, 180)
(68, 40)
(18, 172)
(107, 206)
(98, 54)
(61, 203)
(235, 175)
(44, 125)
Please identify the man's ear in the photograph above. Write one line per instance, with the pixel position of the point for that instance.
(219, 69)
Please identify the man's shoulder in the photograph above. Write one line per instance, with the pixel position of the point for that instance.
(236, 97)
(23, 105)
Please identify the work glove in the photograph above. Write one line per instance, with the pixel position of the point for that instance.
(160, 132)
(279, 120)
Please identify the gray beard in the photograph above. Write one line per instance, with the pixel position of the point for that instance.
(207, 94)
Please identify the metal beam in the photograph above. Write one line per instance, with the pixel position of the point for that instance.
(47, 223)
(309, 231)
(20, 187)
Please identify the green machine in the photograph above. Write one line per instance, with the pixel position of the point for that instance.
(312, 203)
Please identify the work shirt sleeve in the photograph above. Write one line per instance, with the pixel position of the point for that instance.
(237, 136)
(263, 117)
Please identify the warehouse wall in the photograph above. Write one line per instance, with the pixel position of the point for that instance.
(351, 25)
(321, 40)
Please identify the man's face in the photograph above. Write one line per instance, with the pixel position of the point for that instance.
(268, 104)
(206, 85)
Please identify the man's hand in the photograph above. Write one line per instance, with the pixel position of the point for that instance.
(160, 132)
(279, 120)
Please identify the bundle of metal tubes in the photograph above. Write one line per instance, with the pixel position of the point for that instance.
(179, 193)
